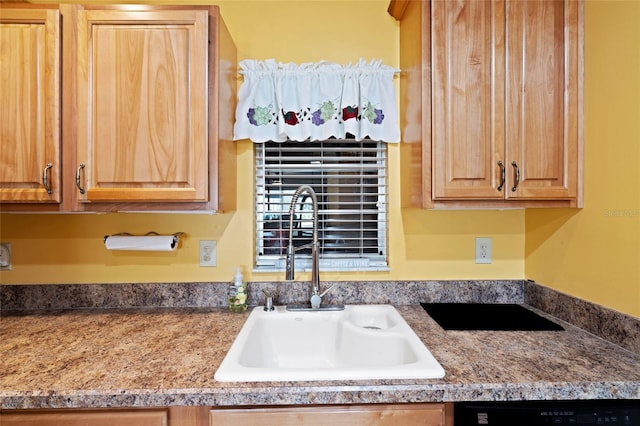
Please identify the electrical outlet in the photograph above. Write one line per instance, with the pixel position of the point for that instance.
(483, 250)
(5, 256)
(208, 254)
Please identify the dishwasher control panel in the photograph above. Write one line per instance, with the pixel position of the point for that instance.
(526, 413)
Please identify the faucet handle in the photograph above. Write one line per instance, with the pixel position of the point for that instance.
(268, 302)
(316, 299)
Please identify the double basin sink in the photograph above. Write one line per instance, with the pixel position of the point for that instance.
(361, 342)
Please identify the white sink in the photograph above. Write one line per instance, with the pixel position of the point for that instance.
(361, 342)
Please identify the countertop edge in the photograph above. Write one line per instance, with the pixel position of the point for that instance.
(322, 395)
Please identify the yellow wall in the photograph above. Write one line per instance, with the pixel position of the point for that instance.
(423, 244)
(595, 253)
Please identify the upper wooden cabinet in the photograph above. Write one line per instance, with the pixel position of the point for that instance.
(148, 102)
(142, 105)
(491, 98)
(30, 105)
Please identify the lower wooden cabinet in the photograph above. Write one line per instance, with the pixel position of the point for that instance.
(433, 414)
(169, 416)
(392, 415)
(87, 418)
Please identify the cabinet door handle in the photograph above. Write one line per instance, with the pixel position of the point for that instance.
(81, 167)
(45, 178)
(503, 175)
(516, 170)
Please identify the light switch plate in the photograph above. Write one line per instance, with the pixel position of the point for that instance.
(5, 256)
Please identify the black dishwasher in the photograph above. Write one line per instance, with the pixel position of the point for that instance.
(537, 413)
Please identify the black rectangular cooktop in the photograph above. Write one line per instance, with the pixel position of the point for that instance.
(488, 316)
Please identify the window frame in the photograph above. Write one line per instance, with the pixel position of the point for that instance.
(372, 155)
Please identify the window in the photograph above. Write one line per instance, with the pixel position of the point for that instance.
(350, 181)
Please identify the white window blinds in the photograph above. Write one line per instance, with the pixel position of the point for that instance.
(350, 180)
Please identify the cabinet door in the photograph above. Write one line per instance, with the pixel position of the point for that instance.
(505, 100)
(392, 415)
(542, 85)
(29, 105)
(86, 418)
(467, 99)
(142, 105)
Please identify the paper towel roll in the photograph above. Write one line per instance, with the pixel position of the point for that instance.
(141, 243)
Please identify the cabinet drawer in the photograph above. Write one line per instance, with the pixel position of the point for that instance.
(86, 418)
(392, 415)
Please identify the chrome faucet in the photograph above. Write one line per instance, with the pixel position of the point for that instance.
(291, 250)
(316, 296)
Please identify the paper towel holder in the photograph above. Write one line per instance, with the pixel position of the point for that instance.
(174, 243)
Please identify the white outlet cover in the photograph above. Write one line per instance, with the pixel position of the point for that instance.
(208, 252)
(5, 256)
(483, 250)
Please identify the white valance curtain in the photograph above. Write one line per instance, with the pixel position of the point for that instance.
(316, 101)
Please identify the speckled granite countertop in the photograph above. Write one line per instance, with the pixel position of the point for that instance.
(168, 356)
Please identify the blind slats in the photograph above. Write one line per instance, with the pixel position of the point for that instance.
(321, 219)
(349, 179)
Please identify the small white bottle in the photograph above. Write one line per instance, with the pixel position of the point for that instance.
(238, 293)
